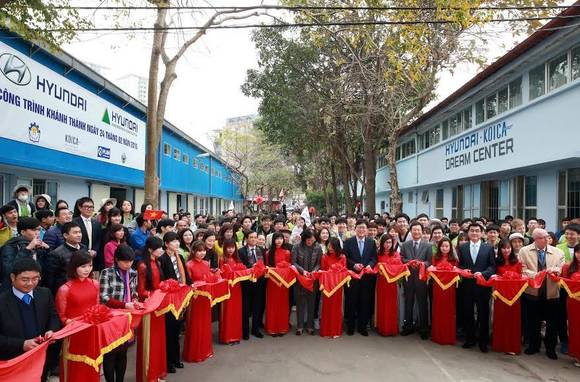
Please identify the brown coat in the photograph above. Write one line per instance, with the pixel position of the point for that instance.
(528, 256)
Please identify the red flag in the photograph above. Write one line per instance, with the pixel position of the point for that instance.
(153, 214)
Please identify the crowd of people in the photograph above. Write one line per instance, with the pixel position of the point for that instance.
(59, 260)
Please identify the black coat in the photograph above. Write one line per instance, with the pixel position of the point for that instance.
(244, 254)
(54, 273)
(169, 271)
(11, 330)
(353, 256)
(484, 263)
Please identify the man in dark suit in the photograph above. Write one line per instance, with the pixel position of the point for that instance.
(253, 293)
(415, 289)
(361, 253)
(91, 230)
(479, 258)
(28, 314)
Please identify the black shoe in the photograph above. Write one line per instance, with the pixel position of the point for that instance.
(350, 332)
(530, 351)
(407, 331)
(258, 334)
(299, 332)
(552, 354)
(424, 335)
(310, 331)
(363, 332)
(179, 365)
(483, 348)
(171, 369)
(468, 345)
(246, 337)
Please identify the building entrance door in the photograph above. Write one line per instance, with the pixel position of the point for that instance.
(118, 193)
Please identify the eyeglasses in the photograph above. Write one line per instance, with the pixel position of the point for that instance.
(88, 207)
(29, 280)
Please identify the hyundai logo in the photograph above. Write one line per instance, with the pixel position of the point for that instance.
(14, 69)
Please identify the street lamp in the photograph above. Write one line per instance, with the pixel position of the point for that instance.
(203, 156)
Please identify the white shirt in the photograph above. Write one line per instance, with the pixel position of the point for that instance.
(89, 227)
(474, 249)
(21, 294)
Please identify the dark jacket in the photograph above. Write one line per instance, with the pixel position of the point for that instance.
(53, 237)
(13, 250)
(423, 253)
(11, 331)
(244, 254)
(169, 271)
(484, 263)
(14, 203)
(353, 256)
(306, 259)
(99, 261)
(54, 275)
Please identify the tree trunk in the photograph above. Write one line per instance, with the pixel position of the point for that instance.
(334, 186)
(396, 199)
(370, 165)
(153, 134)
(348, 203)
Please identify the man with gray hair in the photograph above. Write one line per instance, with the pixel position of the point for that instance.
(542, 302)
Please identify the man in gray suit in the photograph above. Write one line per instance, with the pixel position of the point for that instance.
(306, 257)
(414, 288)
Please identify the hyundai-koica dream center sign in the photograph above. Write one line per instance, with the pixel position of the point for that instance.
(42, 108)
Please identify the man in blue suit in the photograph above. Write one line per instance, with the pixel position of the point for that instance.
(478, 257)
(361, 253)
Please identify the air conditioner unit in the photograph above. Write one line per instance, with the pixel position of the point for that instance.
(425, 197)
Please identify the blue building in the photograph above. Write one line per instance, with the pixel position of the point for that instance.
(69, 132)
(506, 142)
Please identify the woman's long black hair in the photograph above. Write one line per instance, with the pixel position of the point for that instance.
(512, 259)
(151, 244)
(272, 250)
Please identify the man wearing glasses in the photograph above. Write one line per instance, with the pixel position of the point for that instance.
(28, 316)
(26, 245)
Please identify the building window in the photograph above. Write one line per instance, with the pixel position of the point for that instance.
(526, 196)
(537, 80)
(558, 71)
(176, 154)
(407, 149)
(185, 159)
(467, 121)
(491, 106)
(167, 149)
(502, 100)
(479, 112)
(43, 186)
(569, 193)
(515, 90)
(410, 197)
(194, 162)
(457, 202)
(439, 203)
(445, 130)
(575, 63)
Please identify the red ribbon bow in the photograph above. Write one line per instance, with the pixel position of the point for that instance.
(169, 286)
(97, 314)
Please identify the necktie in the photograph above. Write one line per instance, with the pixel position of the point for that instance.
(415, 245)
(473, 253)
(542, 257)
(27, 298)
(254, 255)
(89, 227)
(361, 247)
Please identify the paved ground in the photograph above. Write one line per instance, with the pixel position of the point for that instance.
(373, 358)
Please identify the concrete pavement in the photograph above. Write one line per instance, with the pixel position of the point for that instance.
(373, 358)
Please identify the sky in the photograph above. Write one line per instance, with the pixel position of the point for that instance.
(207, 89)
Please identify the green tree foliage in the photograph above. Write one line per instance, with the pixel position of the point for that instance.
(51, 22)
(360, 86)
